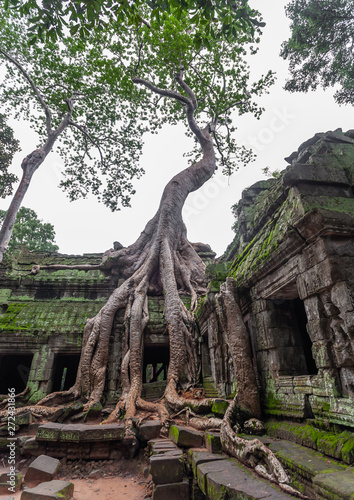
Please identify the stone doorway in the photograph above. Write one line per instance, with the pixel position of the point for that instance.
(64, 371)
(295, 353)
(156, 361)
(14, 372)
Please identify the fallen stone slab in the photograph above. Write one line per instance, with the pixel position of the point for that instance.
(335, 484)
(166, 469)
(50, 490)
(213, 442)
(197, 457)
(186, 437)
(171, 491)
(43, 468)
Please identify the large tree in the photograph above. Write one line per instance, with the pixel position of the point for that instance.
(321, 47)
(31, 232)
(64, 91)
(203, 87)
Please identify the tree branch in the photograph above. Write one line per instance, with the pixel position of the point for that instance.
(35, 90)
(83, 131)
(166, 93)
(186, 88)
(188, 103)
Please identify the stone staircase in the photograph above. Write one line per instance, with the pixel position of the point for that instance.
(215, 476)
(209, 388)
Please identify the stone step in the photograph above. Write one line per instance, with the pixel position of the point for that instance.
(315, 474)
(153, 391)
(219, 477)
(209, 388)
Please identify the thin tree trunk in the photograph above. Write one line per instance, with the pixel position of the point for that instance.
(29, 166)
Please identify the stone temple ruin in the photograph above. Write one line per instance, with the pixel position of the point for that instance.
(292, 259)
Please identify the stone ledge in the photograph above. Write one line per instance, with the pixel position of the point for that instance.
(75, 433)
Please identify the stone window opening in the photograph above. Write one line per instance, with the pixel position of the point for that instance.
(14, 372)
(156, 361)
(64, 371)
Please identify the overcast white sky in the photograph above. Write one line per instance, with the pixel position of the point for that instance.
(86, 226)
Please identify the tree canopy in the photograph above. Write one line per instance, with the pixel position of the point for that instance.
(8, 147)
(321, 47)
(62, 90)
(50, 19)
(31, 232)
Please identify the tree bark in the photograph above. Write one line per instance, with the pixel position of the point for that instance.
(29, 166)
(240, 347)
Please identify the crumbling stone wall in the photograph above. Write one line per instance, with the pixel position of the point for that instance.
(292, 259)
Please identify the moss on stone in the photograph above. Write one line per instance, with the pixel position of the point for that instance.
(219, 407)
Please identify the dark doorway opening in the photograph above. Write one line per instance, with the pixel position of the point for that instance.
(289, 318)
(156, 360)
(14, 372)
(65, 369)
(304, 338)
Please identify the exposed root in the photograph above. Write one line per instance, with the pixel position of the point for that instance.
(254, 454)
(37, 411)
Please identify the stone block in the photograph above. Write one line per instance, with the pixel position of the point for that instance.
(43, 468)
(171, 491)
(185, 437)
(319, 329)
(219, 407)
(51, 490)
(335, 485)
(166, 469)
(235, 482)
(341, 297)
(24, 419)
(203, 469)
(213, 442)
(149, 430)
(10, 479)
(90, 433)
(113, 432)
(197, 457)
(313, 308)
(347, 379)
(314, 280)
(71, 432)
(49, 432)
(322, 354)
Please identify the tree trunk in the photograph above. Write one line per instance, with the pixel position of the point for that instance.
(29, 166)
(240, 347)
